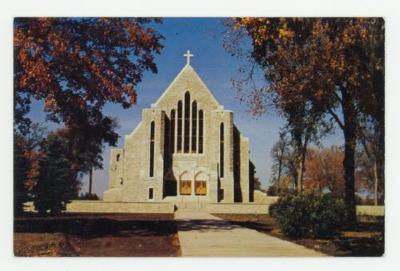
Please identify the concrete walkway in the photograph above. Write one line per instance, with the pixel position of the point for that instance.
(202, 234)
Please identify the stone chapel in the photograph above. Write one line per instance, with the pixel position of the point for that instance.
(186, 148)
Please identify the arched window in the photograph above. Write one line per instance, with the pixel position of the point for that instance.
(221, 150)
(118, 155)
(187, 123)
(172, 126)
(194, 126)
(151, 169)
(179, 136)
(201, 124)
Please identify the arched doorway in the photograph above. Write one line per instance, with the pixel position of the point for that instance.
(200, 184)
(185, 184)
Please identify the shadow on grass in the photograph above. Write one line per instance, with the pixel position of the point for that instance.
(92, 226)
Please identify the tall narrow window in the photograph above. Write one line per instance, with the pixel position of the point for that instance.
(179, 132)
(172, 126)
(194, 126)
(201, 124)
(221, 150)
(167, 137)
(151, 169)
(187, 123)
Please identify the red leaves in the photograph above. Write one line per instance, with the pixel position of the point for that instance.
(78, 65)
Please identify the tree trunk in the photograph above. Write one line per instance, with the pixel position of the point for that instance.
(90, 180)
(380, 161)
(350, 137)
(375, 170)
(278, 182)
(300, 166)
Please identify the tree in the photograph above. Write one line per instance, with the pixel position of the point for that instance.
(367, 177)
(21, 169)
(285, 164)
(371, 157)
(76, 66)
(279, 154)
(57, 181)
(26, 163)
(324, 170)
(332, 63)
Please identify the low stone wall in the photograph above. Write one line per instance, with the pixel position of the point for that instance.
(371, 210)
(236, 208)
(262, 198)
(97, 206)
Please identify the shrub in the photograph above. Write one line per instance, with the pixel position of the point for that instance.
(309, 214)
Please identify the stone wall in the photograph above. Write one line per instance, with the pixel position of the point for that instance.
(97, 206)
(262, 198)
(236, 208)
(370, 210)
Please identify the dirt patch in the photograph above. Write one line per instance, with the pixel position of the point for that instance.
(96, 235)
(364, 239)
(42, 244)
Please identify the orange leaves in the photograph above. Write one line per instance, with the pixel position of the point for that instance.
(324, 170)
(50, 104)
(58, 58)
(34, 169)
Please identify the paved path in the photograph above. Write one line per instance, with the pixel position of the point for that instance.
(202, 234)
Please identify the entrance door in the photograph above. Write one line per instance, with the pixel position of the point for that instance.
(200, 188)
(185, 187)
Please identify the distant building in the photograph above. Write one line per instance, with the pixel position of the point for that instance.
(186, 148)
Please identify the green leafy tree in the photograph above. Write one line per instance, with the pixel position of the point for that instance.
(26, 166)
(57, 181)
(21, 171)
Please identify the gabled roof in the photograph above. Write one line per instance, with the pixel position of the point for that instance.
(187, 72)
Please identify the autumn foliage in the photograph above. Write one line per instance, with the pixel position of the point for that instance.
(75, 66)
(324, 170)
(332, 66)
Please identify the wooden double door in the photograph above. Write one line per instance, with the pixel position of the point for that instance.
(200, 187)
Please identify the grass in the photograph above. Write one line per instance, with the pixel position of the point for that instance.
(96, 235)
(156, 235)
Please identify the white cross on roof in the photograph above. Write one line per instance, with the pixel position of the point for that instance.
(188, 55)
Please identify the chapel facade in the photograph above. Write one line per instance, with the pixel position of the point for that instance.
(186, 148)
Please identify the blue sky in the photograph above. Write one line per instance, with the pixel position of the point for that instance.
(203, 37)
